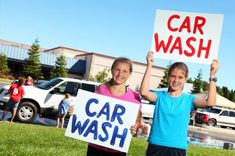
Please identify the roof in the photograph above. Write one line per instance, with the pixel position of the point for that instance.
(220, 100)
(47, 59)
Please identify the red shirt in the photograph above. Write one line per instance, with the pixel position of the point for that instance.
(28, 83)
(16, 92)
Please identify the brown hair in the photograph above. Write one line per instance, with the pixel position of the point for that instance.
(20, 82)
(179, 65)
(67, 95)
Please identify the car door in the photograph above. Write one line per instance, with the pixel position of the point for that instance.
(89, 87)
(58, 93)
(232, 118)
(223, 118)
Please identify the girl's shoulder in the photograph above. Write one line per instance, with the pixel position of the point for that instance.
(102, 86)
(102, 89)
(189, 95)
(67, 100)
(133, 95)
(133, 92)
(160, 92)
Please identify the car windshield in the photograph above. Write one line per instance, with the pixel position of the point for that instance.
(212, 110)
(49, 84)
(39, 82)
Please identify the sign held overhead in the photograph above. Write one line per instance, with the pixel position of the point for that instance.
(186, 36)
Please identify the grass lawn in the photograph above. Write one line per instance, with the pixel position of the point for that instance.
(6, 81)
(28, 139)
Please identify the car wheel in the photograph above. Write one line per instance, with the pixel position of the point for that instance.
(211, 122)
(27, 112)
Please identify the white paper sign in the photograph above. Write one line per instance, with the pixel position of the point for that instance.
(186, 36)
(102, 120)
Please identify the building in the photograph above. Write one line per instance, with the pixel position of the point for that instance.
(80, 63)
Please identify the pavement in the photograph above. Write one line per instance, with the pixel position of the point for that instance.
(215, 132)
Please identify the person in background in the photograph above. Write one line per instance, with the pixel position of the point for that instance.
(62, 110)
(168, 135)
(16, 93)
(28, 81)
(121, 70)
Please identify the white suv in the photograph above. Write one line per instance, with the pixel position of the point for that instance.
(147, 111)
(216, 116)
(45, 98)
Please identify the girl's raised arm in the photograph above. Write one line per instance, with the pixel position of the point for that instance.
(144, 88)
(211, 97)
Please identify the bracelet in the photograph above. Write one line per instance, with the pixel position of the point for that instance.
(213, 79)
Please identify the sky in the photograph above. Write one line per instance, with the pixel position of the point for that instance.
(112, 27)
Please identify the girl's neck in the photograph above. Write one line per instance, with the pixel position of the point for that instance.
(118, 90)
(175, 93)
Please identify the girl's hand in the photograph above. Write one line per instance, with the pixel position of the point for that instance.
(150, 57)
(144, 129)
(134, 130)
(71, 110)
(214, 67)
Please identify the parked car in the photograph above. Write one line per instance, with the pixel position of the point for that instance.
(44, 99)
(147, 110)
(37, 82)
(14, 82)
(216, 116)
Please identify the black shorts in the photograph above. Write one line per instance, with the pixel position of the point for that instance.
(156, 150)
(92, 151)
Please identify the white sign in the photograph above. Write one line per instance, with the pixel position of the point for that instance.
(102, 120)
(185, 36)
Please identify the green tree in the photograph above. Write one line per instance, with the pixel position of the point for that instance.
(219, 90)
(205, 86)
(32, 65)
(3, 65)
(60, 67)
(101, 76)
(164, 81)
(197, 83)
(232, 96)
(226, 92)
(190, 80)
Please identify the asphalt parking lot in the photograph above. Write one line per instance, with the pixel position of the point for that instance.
(216, 132)
(38, 120)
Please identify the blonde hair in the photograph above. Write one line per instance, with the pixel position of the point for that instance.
(29, 77)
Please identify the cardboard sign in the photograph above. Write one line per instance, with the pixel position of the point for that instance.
(102, 120)
(185, 36)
